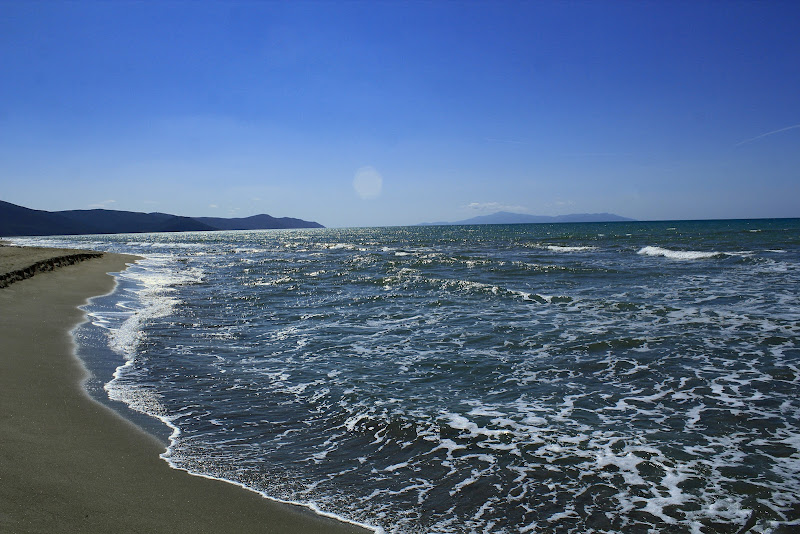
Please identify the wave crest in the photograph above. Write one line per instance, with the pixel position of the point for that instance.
(679, 254)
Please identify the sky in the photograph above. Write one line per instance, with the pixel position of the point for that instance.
(388, 113)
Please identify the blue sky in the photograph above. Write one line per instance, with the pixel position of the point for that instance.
(392, 113)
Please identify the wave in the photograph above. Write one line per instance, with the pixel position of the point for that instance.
(156, 276)
(679, 254)
(558, 248)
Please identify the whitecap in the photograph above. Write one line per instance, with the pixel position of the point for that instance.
(678, 254)
(558, 248)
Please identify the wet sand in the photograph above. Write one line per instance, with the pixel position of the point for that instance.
(70, 464)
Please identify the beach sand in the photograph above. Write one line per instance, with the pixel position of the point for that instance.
(70, 464)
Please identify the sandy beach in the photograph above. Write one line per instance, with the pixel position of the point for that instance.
(69, 464)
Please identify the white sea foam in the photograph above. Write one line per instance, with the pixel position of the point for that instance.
(693, 417)
(678, 254)
(559, 248)
(339, 246)
(155, 277)
(395, 467)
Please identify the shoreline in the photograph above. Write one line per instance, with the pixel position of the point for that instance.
(69, 463)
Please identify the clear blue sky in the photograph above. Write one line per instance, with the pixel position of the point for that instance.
(391, 113)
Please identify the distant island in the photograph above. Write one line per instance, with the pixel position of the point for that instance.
(504, 217)
(19, 221)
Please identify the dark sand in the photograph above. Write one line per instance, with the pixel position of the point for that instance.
(69, 464)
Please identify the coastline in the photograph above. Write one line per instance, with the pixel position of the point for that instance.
(69, 463)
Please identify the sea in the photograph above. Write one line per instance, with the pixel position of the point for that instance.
(630, 377)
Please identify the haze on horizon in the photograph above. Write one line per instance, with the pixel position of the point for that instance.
(393, 113)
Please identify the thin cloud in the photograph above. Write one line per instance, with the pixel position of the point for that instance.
(103, 204)
(792, 127)
(494, 206)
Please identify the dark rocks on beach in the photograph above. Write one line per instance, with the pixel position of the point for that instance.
(48, 264)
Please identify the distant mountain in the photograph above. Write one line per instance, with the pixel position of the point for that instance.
(18, 221)
(504, 217)
(126, 222)
(256, 222)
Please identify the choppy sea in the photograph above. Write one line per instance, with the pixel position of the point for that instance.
(569, 378)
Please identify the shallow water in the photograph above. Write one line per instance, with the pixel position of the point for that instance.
(607, 377)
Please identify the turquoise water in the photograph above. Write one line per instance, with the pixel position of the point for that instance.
(617, 377)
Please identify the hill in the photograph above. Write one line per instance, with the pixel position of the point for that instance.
(20, 221)
(504, 217)
(257, 222)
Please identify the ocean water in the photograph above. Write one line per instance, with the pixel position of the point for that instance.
(575, 378)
